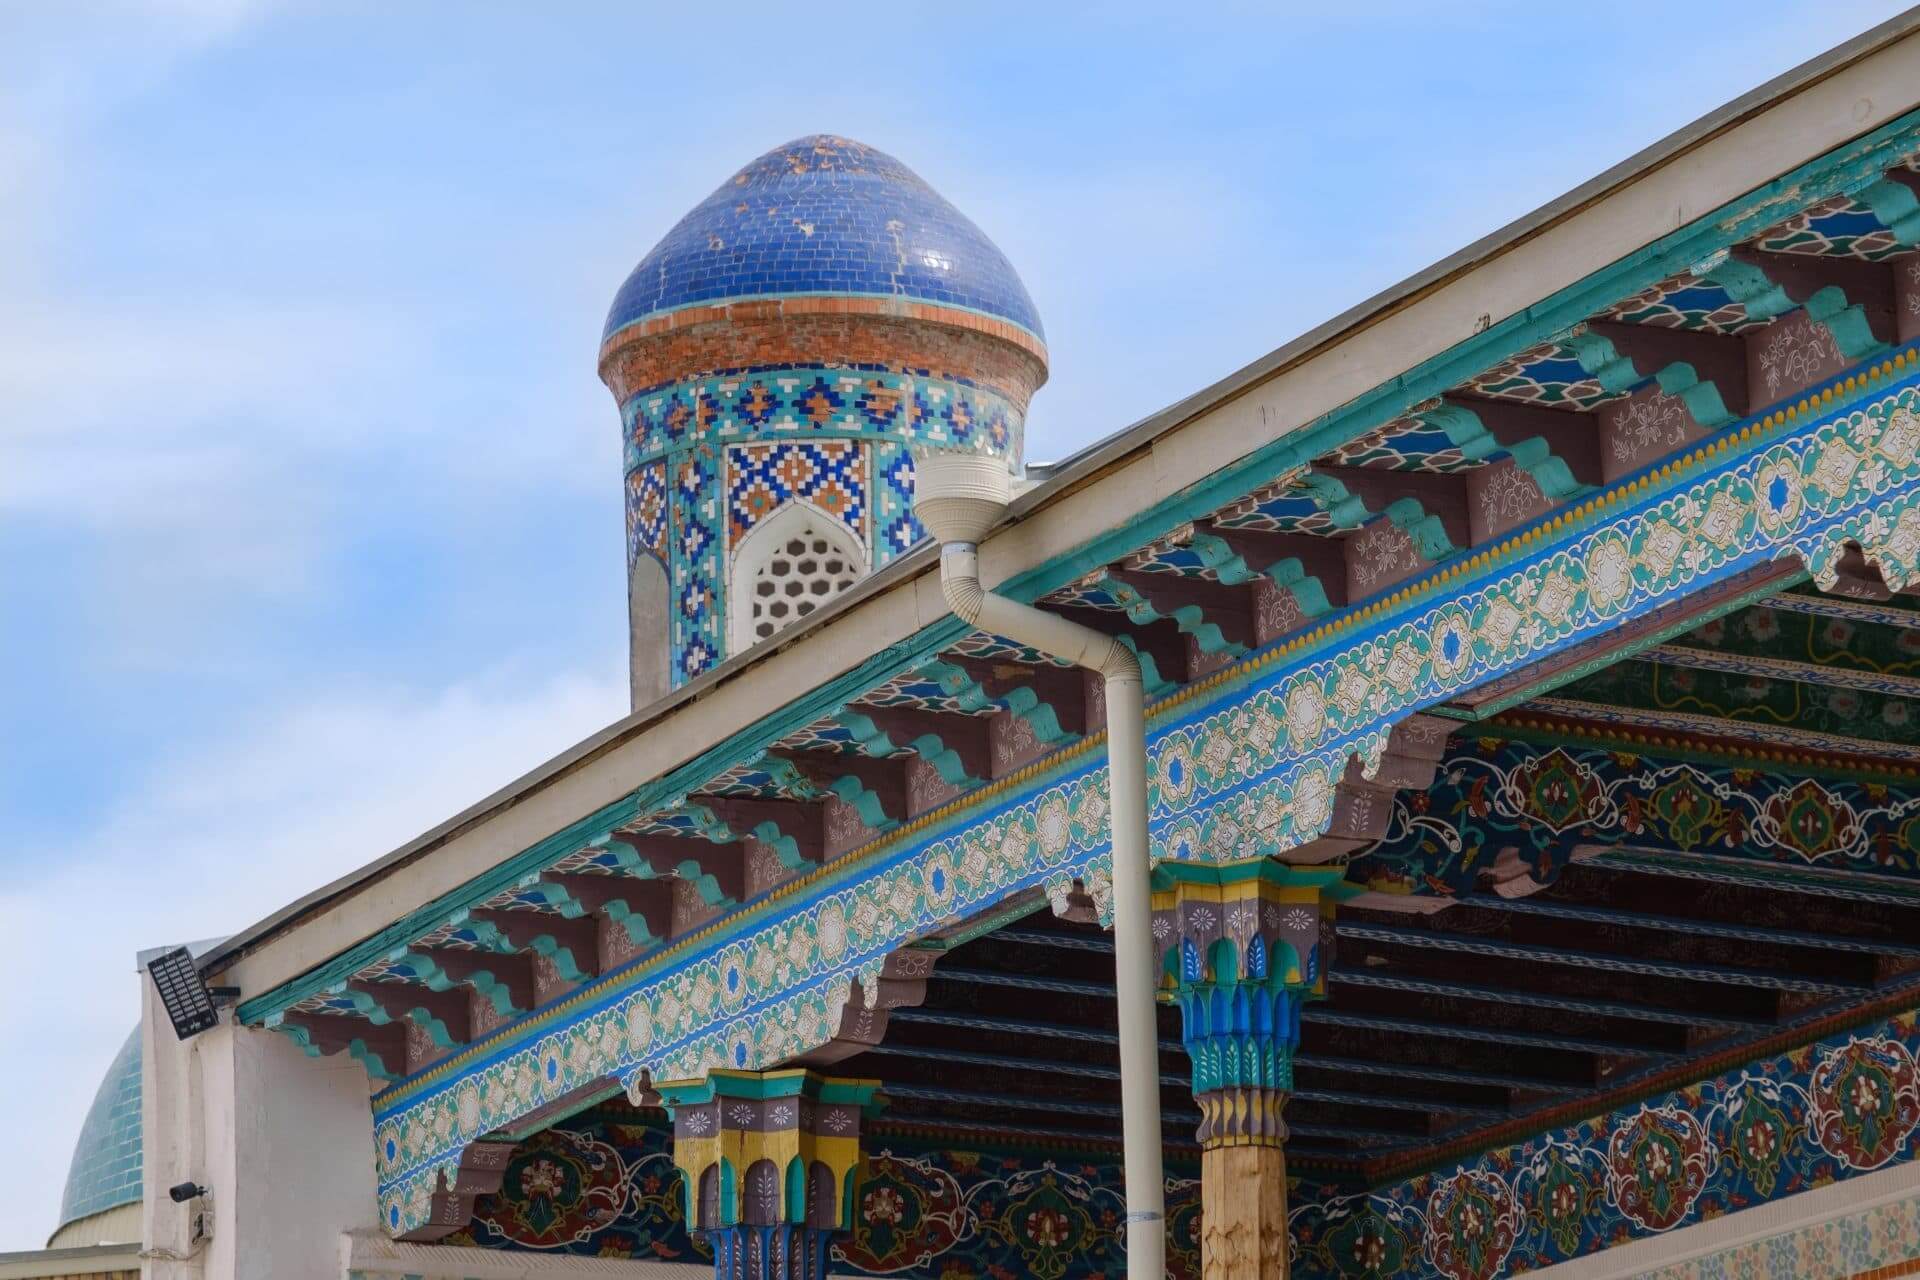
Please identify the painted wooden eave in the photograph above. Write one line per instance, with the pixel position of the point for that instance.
(1076, 468)
(1485, 290)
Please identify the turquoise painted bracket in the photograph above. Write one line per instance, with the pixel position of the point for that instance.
(376, 1013)
(1428, 534)
(635, 924)
(1846, 321)
(1765, 299)
(1897, 208)
(357, 1049)
(1601, 359)
(490, 987)
(928, 746)
(1190, 618)
(1615, 372)
(1349, 511)
(767, 832)
(1022, 700)
(436, 1030)
(1533, 455)
(850, 790)
(1700, 396)
(561, 957)
(1151, 680)
(1346, 510)
(1226, 564)
(630, 862)
(1747, 285)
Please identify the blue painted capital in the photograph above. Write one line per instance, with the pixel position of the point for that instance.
(780, 1252)
(1243, 947)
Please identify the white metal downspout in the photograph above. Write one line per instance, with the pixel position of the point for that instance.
(958, 498)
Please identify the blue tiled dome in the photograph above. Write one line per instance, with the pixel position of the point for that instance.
(825, 215)
(105, 1172)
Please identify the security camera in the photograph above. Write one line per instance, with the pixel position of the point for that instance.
(182, 1192)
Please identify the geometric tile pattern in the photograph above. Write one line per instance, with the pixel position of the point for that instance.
(978, 644)
(647, 511)
(824, 215)
(1547, 374)
(1279, 507)
(698, 584)
(823, 735)
(1405, 444)
(787, 401)
(829, 475)
(837, 438)
(1684, 302)
(1868, 1245)
(1837, 228)
(921, 694)
(1168, 555)
(896, 529)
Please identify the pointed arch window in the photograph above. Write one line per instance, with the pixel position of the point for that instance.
(794, 562)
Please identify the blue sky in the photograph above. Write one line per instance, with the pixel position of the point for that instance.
(309, 497)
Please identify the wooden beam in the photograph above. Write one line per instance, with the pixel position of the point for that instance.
(956, 745)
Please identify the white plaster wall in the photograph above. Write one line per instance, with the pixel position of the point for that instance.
(284, 1142)
(171, 1143)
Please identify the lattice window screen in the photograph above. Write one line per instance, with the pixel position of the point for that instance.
(787, 568)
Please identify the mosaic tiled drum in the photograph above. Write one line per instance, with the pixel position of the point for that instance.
(774, 359)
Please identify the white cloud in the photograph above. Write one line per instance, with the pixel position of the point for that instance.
(217, 839)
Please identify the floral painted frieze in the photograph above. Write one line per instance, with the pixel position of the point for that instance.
(1840, 1107)
(1547, 801)
(1251, 773)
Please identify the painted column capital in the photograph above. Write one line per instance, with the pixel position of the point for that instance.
(1243, 946)
(768, 1161)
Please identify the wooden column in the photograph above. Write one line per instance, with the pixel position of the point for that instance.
(1243, 1224)
(1245, 945)
(767, 1161)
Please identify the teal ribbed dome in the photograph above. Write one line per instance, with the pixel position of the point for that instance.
(105, 1172)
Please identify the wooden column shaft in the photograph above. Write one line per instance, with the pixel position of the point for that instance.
(1243, 1213)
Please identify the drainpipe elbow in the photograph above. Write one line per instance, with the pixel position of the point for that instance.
(1023, 624)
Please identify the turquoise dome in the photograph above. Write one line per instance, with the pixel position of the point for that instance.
(825, 215)
(105, 1172)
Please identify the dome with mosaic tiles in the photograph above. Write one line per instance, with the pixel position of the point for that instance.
(105, 1173)
(777, 360)
(820, 216)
